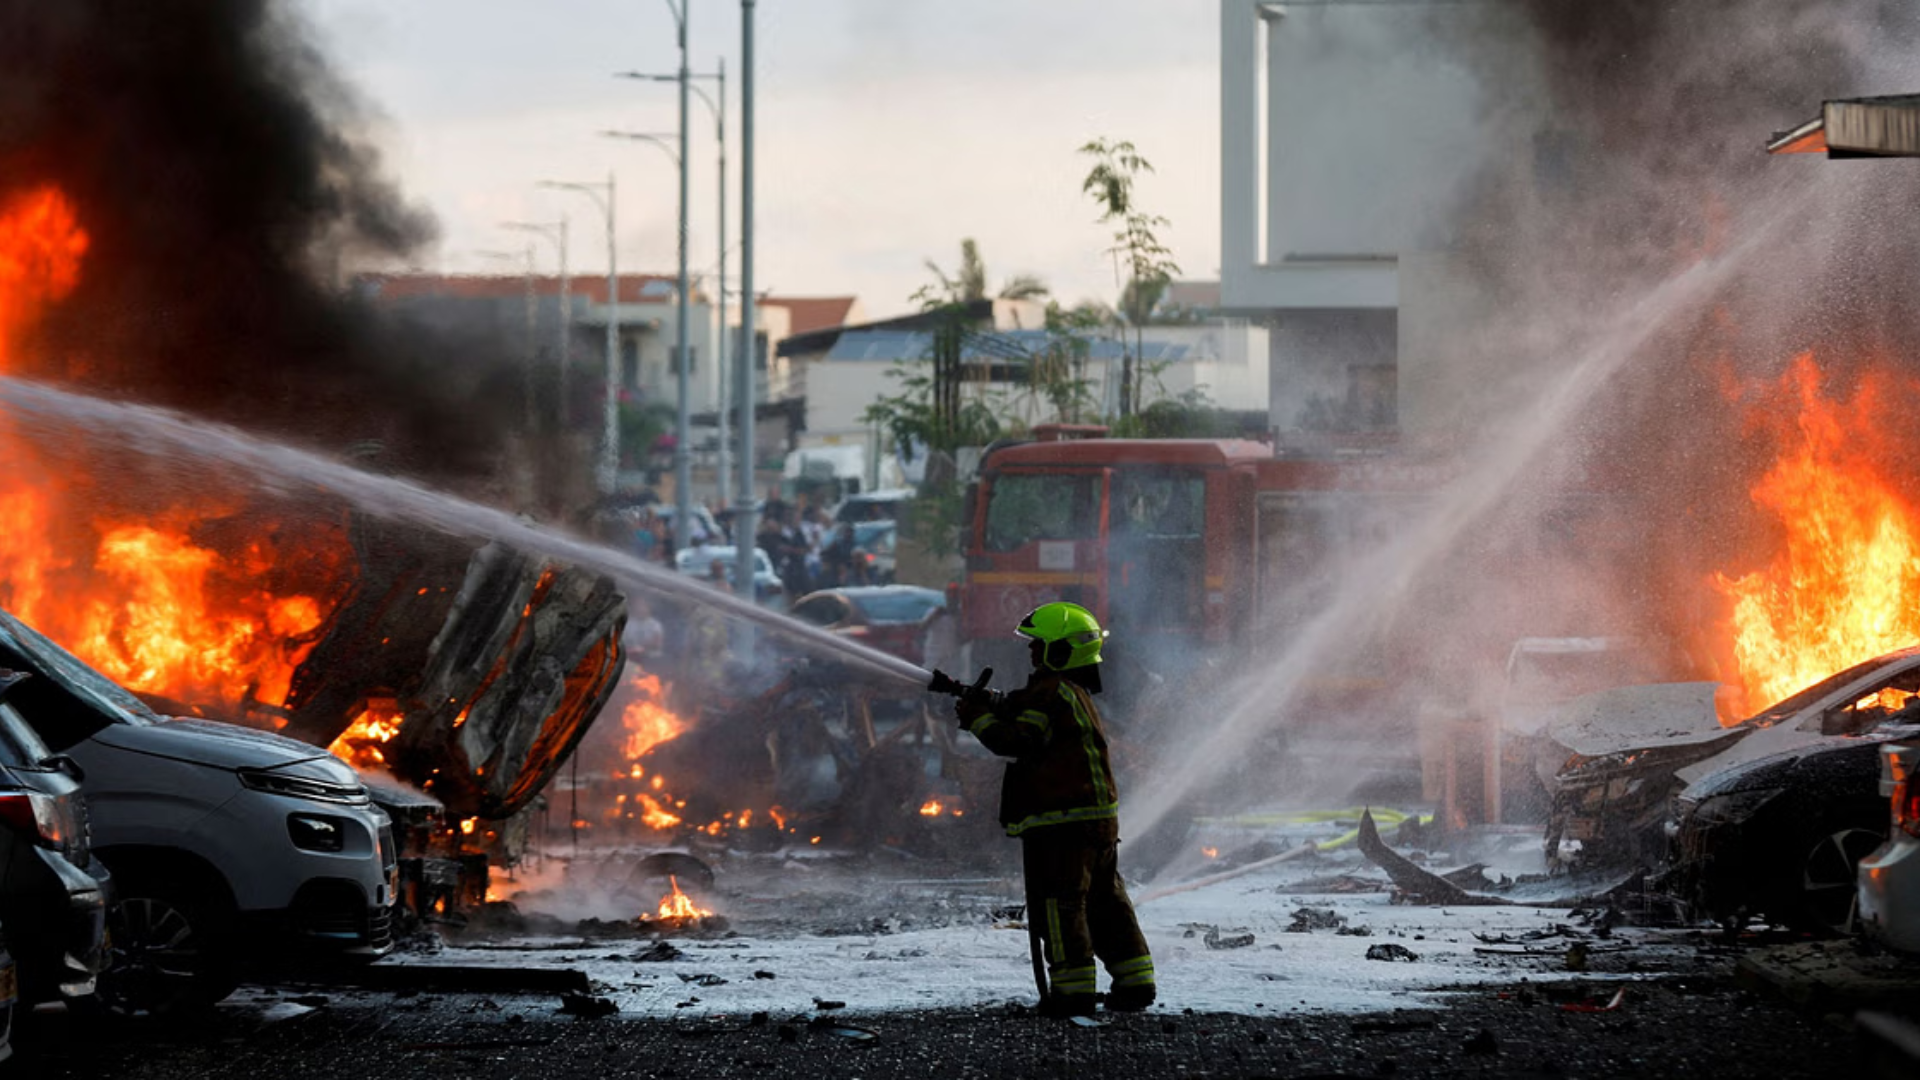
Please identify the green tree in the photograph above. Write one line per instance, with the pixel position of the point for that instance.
(1148, 263)
(969, 280)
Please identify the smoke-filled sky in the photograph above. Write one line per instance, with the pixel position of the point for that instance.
(888, 130)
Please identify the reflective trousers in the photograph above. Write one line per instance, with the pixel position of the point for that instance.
(1080, 906)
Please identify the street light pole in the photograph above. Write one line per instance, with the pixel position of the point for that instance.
(608, 474)
(724, 345)
(744, 514)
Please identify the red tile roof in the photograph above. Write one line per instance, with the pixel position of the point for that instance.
(813, 312)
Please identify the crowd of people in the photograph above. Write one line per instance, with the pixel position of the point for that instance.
(808, 549)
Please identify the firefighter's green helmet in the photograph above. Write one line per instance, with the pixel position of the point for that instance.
(1071, 634)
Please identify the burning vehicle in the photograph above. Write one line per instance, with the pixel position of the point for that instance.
(1767, 816)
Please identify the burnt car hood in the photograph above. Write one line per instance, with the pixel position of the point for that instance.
(226, 746)
(1651, 717)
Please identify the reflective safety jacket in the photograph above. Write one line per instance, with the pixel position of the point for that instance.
(1060, 772)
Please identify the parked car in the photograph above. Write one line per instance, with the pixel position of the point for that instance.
(881, 504)
(229, 847)
(873, 550)
(699, 561)
(53, 891)
(1889, 878)
(903, 620)
(1768, 816)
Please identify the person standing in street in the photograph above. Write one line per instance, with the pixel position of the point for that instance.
(1058, 798)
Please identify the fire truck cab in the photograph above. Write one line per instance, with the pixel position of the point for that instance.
(1187, 549)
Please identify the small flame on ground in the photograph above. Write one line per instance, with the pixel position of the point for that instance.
(1210, 852)
(678, 905)
(931, 808)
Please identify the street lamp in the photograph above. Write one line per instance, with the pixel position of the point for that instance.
(556, 231)
(683, 423)
(744, 515)
(719, 111)
(608, 474)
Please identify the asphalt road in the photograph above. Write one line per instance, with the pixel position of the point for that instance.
(1674, 1028)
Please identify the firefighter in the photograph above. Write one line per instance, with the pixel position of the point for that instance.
(1058, 798)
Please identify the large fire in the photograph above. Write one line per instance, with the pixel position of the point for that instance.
(138, 592)
(1844, 584)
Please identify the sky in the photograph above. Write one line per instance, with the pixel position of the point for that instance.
(888, 130)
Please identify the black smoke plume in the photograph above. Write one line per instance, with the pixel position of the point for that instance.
(217, 165)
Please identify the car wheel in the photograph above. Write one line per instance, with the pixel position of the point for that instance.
(166, 956)
(1825, 895)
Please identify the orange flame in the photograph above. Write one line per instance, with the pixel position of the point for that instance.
(41, 245)
(931, 808)
(1845, 584)
(678, 905)
(648, 722)
(360, 744)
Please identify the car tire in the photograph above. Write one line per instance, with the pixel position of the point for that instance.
(169, 954)
(1821, 896)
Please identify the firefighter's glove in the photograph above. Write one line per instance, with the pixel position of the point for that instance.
(975, 704)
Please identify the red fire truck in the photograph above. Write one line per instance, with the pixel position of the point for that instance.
(1187, 549)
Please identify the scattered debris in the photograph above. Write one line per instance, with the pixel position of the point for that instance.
(586, 1006)
(1215, 941)
(1307, 919)
(702, 979)
(660, 951)
(1355, 931)
(825, 1005)
(1481, 1044)
(1387, 950)
(763, 975)
(1420, 886)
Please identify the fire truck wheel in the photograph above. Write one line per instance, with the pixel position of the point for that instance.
(166, 957)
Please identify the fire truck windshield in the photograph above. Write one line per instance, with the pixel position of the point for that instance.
(1022, 508)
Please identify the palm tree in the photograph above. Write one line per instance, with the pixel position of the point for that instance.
(969, 280)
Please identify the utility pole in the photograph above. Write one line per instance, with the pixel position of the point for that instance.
(743, 516)
(682, 459)
(722, 354)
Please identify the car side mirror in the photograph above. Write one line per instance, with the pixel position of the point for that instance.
(68, 768)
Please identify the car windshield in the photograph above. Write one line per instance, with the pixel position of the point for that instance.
(37, 653)
(1022, 508)
(874, 535)
(1812, 694)
(899, 607)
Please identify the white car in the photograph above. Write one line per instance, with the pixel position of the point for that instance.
(699, 559)
(1889, 878)
(230, 848)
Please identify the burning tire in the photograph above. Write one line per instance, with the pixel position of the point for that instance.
(167, 956)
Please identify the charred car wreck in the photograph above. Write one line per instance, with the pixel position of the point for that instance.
(1767, 817)
(457, 676)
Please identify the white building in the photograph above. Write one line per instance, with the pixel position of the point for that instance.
(1347, 142)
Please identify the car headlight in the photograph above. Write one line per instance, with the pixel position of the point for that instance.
(300, 787)
(1734, 807)
(317, 832)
